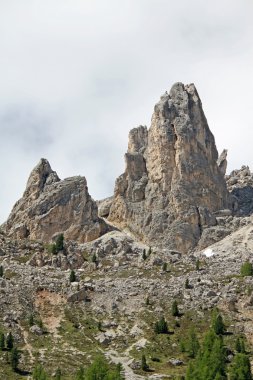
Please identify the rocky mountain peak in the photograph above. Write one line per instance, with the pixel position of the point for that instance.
(41, 176)
(50, 206)
(172, 182)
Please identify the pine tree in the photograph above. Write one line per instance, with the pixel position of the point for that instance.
(174, 309)
(144, 255)
(217, 323)
(31, 320)
(197, 267)
(240, 346)
(192, 344)
(144, 365)
(80, 374)
(94, 258)
(190, 372)
(2, 341)
(9, 341)
(161, 326)
(210, 362)
(15, 356)
(58, 374)
(240, 368)
(59, 243)
(1, 271)
(53, 249)
(98, 369)
(72, 276)
(39, 373)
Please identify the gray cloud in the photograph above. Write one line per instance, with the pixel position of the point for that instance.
(76, 76)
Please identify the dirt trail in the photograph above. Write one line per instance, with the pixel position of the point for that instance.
(125, 361)
(27, 345)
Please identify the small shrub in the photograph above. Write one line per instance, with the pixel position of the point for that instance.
(31, 320)
(246, 269)
(154, 359)
(51, 248)
(165, 267)
(187, 284)
(40, 323)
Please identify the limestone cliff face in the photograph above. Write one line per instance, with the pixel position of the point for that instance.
(50, 206)
(172, 182)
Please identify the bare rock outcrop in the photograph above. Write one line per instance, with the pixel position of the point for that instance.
(50, 206)
(240, 185)
(172, 182)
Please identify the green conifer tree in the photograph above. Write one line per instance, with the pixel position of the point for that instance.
(39, 373)
(161, 326)
(217, 323)
(193, 345)
(9, 341)
(210, 362)
(72, 276)
(1, 271)
(144, 255)
(15, 356)
(174, 309)
(59, 243)
(98, 369)
(240, 368)
(144, 365)
(58, 374)
(80, 374)
(2, 341)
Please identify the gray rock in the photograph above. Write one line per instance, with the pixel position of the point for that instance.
(36, 330)
(50, 206)
(172, 182)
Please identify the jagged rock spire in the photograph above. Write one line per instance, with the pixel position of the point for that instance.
(172, 182)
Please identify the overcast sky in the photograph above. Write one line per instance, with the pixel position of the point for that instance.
(77, 75)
